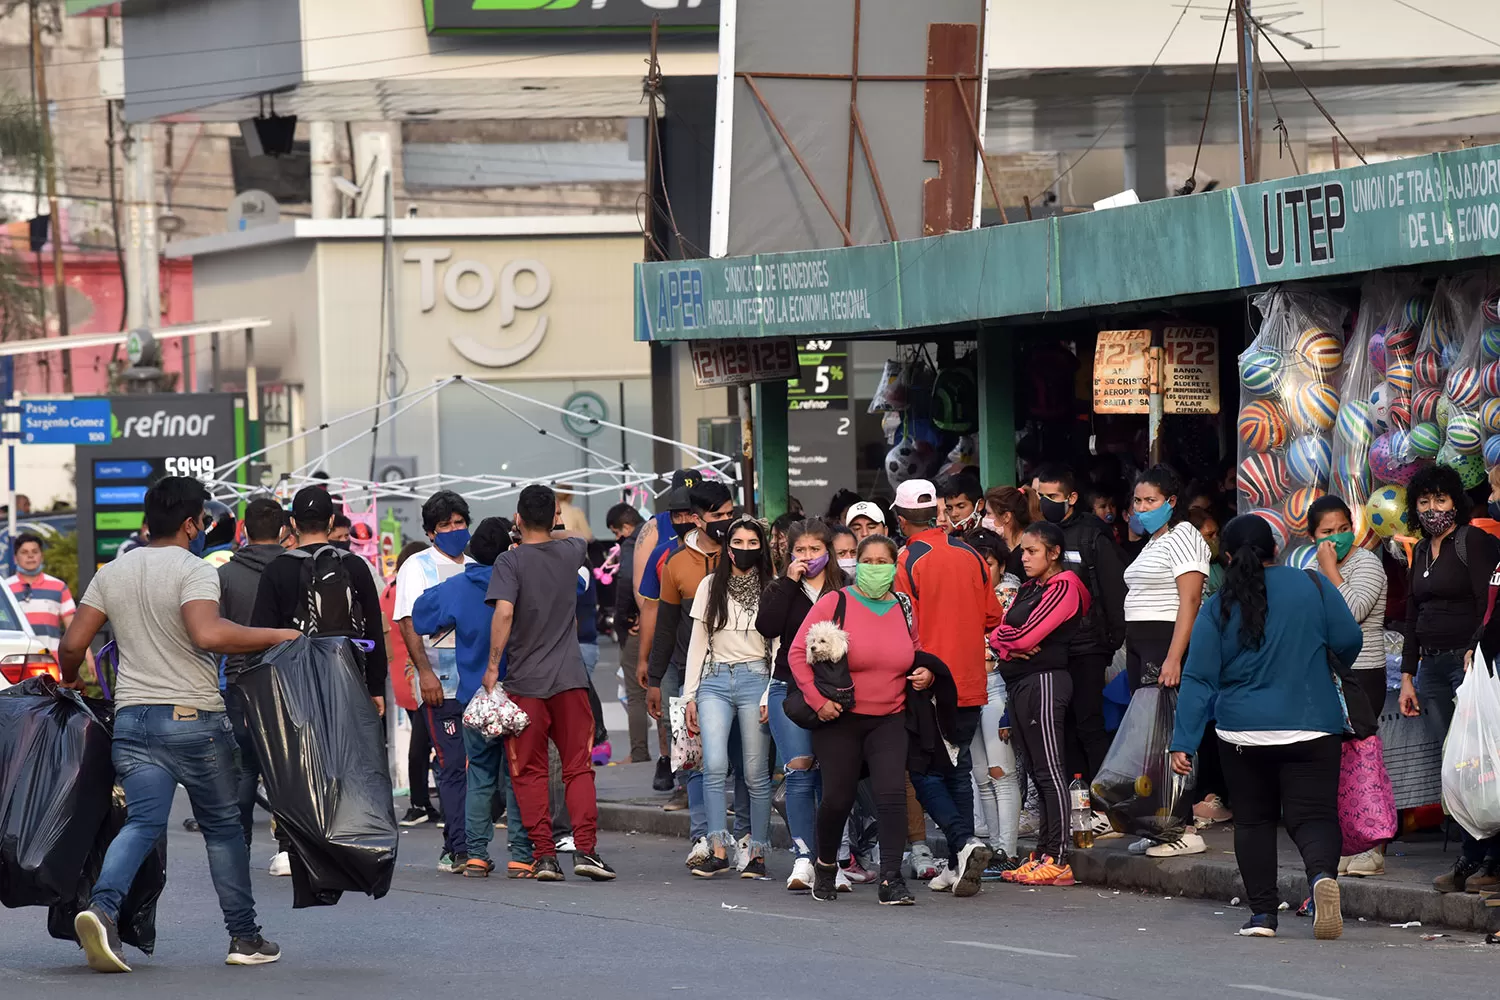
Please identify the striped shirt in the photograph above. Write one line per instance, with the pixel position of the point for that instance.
(1364, 591)
(1152, 577)
(44, 600)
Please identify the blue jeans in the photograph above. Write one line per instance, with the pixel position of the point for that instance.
(487, 777)
(156, 748)
(949, 797)
(730, 692)
(804, 786)
(1437, 681)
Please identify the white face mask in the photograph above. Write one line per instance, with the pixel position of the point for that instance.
(848, 564)
(989, 522)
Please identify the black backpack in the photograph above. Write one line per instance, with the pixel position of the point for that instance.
(328, 607)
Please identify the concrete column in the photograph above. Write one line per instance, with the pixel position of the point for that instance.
(142, 269)
(372, 161)
(997, 408)
(323, 138)
(1146, 148)
(770, 448)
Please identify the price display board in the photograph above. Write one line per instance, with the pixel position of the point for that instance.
(742, 362)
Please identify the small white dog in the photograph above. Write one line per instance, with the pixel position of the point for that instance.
(826, 642)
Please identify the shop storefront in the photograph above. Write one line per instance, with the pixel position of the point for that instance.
(538, 306)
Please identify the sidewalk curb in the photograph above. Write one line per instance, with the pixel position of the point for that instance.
(1194, 877)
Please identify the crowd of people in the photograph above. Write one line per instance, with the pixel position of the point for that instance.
(949, 656)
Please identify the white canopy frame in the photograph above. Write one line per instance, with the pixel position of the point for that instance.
(611, 476)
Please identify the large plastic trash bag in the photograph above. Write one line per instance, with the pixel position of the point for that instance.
(1136, 786)
(1471, 754)
(322, 753)
(55, 782)
(137, 918)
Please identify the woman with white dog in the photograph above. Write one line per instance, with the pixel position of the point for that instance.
(879, 635)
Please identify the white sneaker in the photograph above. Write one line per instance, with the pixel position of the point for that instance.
(945, 879)
(802, 875)
(1141, 846)
(1103, 828)
(923, 865)
(1366, 863)
(743, 852)
(281, 864)
(566, 846)
(841, 882)
(1031, 822)
(699, 852)
(1190, 843)
(972, 861)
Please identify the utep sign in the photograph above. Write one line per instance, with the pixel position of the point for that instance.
(469, 16)
(1403, 212)
(65, 421)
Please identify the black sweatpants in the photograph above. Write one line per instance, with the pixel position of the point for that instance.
(1087, 739)
(419, 761)
(842, 748)
(1038, 706)
(1297, 783)
(1146, 646)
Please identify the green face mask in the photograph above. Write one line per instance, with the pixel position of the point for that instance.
(1342, 543)
(875, 579)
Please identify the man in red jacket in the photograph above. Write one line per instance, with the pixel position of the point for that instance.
(956, 606)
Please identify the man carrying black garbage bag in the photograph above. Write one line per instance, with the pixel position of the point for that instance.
(162, 601)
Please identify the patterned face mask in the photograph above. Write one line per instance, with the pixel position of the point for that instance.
(1435, 522)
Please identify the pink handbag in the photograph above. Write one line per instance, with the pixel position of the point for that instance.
(1367, 805)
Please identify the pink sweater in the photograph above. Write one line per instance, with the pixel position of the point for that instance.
(881, 651)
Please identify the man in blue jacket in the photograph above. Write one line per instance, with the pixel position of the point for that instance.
(458, 603)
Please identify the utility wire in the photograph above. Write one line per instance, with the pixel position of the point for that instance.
(1313, 97)
(1123, 107)
(1439, 20)
(1191, 184)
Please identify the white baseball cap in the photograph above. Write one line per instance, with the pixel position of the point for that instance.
(864, 509)
(914, 494)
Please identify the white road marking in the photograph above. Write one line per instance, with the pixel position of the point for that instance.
(778, 916)
(1277, 992)
(1015, 950)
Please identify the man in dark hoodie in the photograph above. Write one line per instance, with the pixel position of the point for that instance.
(239, 580)
(1091, 552)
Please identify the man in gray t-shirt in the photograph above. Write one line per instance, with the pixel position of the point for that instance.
(534, 591)
(170, 726)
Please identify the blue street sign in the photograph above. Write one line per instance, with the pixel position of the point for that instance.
(65, 421)
(119, 495)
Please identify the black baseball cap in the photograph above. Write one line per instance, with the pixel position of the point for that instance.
(683, 481)
(312, 506)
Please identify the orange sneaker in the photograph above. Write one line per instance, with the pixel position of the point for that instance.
(1049, 872)
(519, 869)
(1019, 874)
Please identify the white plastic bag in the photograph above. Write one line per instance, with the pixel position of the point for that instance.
(687, 748)
(1471, 753)
(493, 715)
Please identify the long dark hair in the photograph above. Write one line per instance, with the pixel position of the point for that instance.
(1050, 535)
(815, 527)
(716, 615)
(1249, 542)
(1169, 484)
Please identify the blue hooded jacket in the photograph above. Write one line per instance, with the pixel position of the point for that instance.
(458, 603)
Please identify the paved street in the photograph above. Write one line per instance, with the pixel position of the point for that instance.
(658, 932)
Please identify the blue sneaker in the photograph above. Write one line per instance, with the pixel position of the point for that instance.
(1260, 925)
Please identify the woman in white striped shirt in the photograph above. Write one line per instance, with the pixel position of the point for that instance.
(1360, 578)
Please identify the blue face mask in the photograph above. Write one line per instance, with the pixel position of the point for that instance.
(1152, 521)
(199, 542)
(452, 543)
(1134, 523)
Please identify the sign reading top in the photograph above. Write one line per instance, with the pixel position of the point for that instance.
(470, 16)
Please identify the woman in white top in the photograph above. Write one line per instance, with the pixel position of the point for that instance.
(1361, 580)
(1165, 590)
(728, 669)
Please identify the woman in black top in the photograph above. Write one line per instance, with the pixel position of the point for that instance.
(785, 602)
(1445, 611)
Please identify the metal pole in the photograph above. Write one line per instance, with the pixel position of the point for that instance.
(141, 274)
(49, 159)
(747, 436)
(390, 300)
(1246, 80)
(213, 353)
(1156, 402)
(252, 391)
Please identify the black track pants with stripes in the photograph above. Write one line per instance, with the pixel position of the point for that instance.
(1038, 707)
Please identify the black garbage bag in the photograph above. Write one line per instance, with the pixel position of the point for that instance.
(55, 782)
(137, 917)
(322, 752)
(1136, 786)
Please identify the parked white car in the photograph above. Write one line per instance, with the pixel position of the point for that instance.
(22, 654)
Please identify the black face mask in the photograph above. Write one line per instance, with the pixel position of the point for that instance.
(1055, 511)
(340, 545)
(683, 528)
(717, 530)
(745, 558)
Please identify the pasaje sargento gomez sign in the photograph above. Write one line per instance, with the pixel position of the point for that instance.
(468, 16)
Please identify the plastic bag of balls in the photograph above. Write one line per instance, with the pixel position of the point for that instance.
(1489, 375)
(1448, 391)
(493, 715)
(1289, 405)
(1371, 412)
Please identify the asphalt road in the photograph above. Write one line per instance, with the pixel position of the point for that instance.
(659, 932)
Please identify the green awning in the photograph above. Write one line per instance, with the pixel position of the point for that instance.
(76, 7)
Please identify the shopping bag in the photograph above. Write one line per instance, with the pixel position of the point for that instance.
(1367, 803)
(55, 782)
(493, 715)
(1471, 753)
(1136, 786)
(321, 746)
(687, 748)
